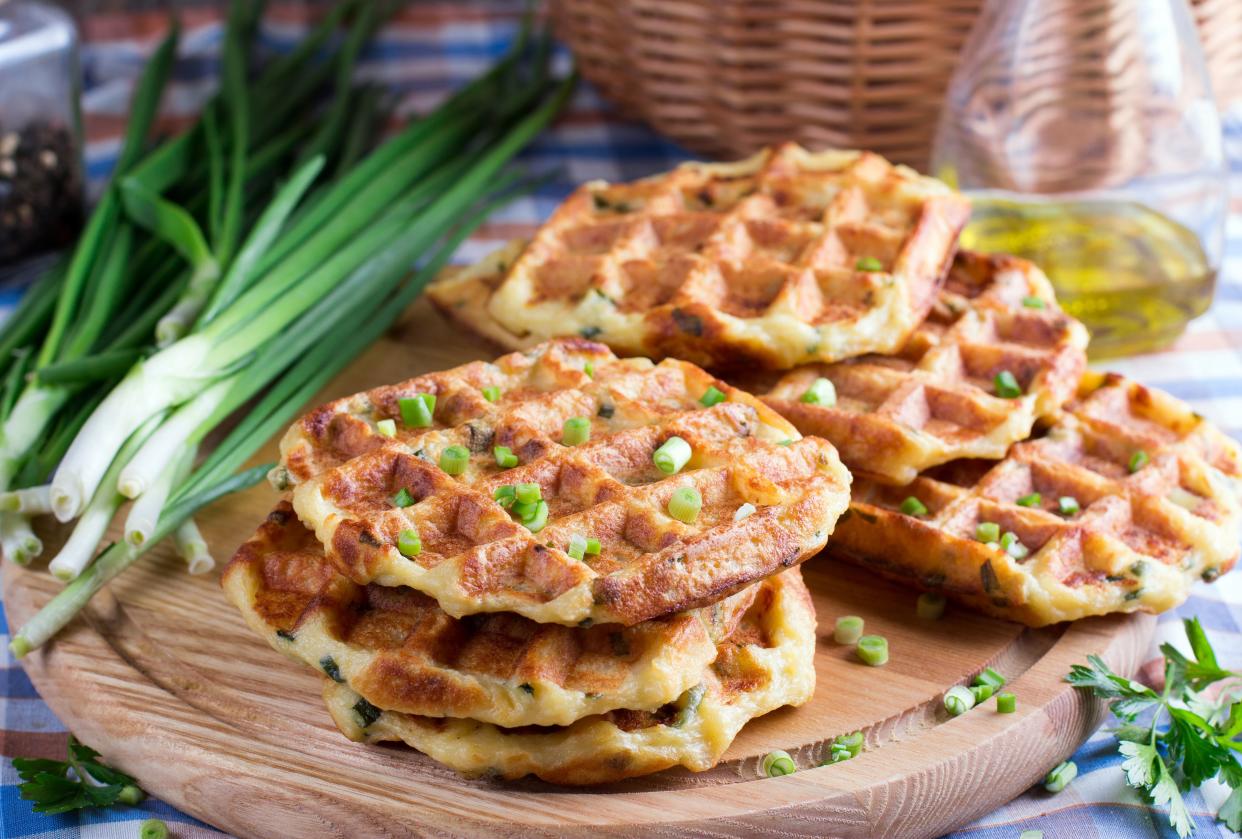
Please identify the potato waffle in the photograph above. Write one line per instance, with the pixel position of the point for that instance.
(476, 557)
(767, 662)
(936, 399)
(784, 258)
(1119, 507)
(397, 649)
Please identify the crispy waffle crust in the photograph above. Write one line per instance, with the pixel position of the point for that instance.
(397, 649)
(727, 265)
(767, 662)
(935, 400)
(1141, 539)
(476, 558)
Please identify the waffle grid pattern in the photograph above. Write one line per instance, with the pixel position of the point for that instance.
(1158, 503)
(767, 662)
(935, 400)
(754, 262)
(476, 557)
(396, 648)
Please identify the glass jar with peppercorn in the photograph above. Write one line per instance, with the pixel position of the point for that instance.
(41, 193)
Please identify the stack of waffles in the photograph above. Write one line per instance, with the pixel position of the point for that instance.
(491, 563)
(988, 464)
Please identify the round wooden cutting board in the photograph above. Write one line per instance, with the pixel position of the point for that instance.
(162, 676)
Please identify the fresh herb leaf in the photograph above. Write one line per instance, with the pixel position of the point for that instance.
(81, 781)
(1203, 736)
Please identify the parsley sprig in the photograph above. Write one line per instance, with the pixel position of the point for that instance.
(1200, 739)
(57, 786)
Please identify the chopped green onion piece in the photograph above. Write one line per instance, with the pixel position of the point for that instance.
(872, 650)
(1006, 703)
(821, 392)
(745, 511)
(982, 693)
(684, 504)
(153, 829)
(958, 700)
(505, 495)
(913, 507)
(1013, 546)
(417, 411)
(505, 458)
(491, 394)
(1032, 500)
(1031, 834)
(1008, 539)
(528, 493)
(386, 428)
(868, 263)
(989, 676)
(525, 510)
(453, 459)
(1033, 302)
(930, 606)
(592, 546)
(577, 430)
(1138, 460)
(788, 441)
(408, 543)
(402, 498)
(712, 396)
(1007, 386)
(1067, 505)
(848, 629)
(672, 456)
(1059, 778)
(778, 763)
(589, 369)
(539, 519)
(577, 546)
(845, 746)
(987, 531)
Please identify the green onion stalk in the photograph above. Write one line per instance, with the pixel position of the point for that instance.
(17, 540)
(192, 547)
(144, 514)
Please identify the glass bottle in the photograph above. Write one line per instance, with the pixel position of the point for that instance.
(1086, 134)
(41, 193)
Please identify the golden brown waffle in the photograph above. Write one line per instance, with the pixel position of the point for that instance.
(767, 662)
(784, 258)
(1138, 541)
(396, 648)
(476, 557)
(936, 400)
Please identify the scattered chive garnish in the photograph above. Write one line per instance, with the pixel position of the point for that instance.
(672, 455)
(990, 676)
(1032, 500)
(528, 493)
(402, 498)
(577, 546)
(778, 763)
(505, 495)
(981, 693)
(821, 392)
(1067, 505)
(872, 650)
(868, 263)
(454, 459)
(1138, 460)
(505, 458)
(589, 369)
(987, 531)
(491, 394)
(1059, 778)
(592, 546)
(1006, 385)
(386, 428)
(153, 829)
(1006, 703)
(576, 431)
(684, 504)
(744, 511)
(1033, 302)
(409, 543)
(417, 411)
(712, 396)
(958, 700)
(848, 629)
(540, 518)
(845, 746)
(913, 507)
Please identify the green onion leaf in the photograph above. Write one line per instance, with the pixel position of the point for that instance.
(1033, 302)
(848, 629)
(417, 411)
(505, 496)
(684, 504)
(539, 519)
(454, 459)
(491, 394)
(712, 396)
(576, 431)
(958, 700)
(1138, 460)
(402, 498)
(1059, 778)
(577, 546)
(528, 493)
(386, 428)
(505, 458)
(778, 763)
(1007, 386)
(593, 546)
(913, 507)
(872, 650)
(672, 455)
(1006, 703)
(987, 531)
(1032, 500)
(1067, 505)
(409, 543)
(821, 392)
(868, 263)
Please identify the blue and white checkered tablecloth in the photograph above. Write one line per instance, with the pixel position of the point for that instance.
(431, 48)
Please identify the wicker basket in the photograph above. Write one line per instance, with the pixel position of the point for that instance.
(725, 77)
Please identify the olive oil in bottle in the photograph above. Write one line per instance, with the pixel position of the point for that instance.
(1134, 276)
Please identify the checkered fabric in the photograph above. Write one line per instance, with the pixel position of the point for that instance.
(427, 50)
